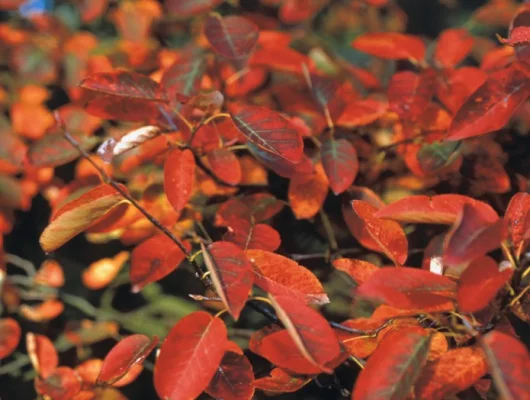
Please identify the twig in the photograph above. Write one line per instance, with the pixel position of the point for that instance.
(332, 241)
(27, 266)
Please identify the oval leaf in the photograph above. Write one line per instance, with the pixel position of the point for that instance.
(179, 177)
(270, 131)
(42, 354)
(339, 159)
(63, 384)
(190, 356)
(233, 37)
(10, 333)
(307, 193)
(452, 47)
(124, 355)
(76, 216)
(233, 379)
(231, 274)
(391, 46)
(391, 371)
(280, 275)
(225, 165)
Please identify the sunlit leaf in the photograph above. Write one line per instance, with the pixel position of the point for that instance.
(100, 273)
(282, 276)
(190, 356)
(225, 165)
(76, 216)
(307, 193)
(452, 47)
(231, 273)
(358, 270)
(179, 177)
(42, 354)
(391, 45)
(50, 274)
(45, 311)
(391, 371)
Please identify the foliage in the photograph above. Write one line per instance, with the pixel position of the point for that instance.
(257, 150)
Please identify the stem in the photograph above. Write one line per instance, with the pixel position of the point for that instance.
(25, 265)
(519, 296)
(215, 116)
(332, 240)
(80, 303)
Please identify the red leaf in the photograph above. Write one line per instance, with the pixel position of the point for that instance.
(154, 259)
(254, 237)
(509, 362)
(279, 275)
(409, 93)
(358, 270)
(408, 288)
(311, 332)
(270, 131)
(339, 159)
(391, 371)
(63, 384)
(387, 235)
(279, 382)
(10, 333)
(472, 236)
(231, 274)
(225, 165)
(233, 37)
(179, 177)
(439, 209)
(124, 355)
(307, 193)
(361, 112)
(455, 371)
(77, 215)
(452, 47)
(515, 217)
(519, 32)
(480, 283)
(391, 46)
(456, 85)
(490, 107)
(185, 74)
(189, 8)
(123, 95)
(42, 354)
(282, 59)
(233, 379)
(190, 356)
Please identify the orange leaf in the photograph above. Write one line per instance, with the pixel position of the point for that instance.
(50, 274)
(279, 382)
(452, 47)
(190, 356)
(179, 177)
(100, 273)
(76, 216)
(358, 270)
(391, 46)
(307, 193)
(450, 374)
(10, 333)
(62, 384)
(232, 37)
(387, 235)
(45, 311)
(516, 217)
(42, 354)
(279, 275)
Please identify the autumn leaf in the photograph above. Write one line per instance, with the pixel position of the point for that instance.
(358, 270)
(307, 193)
(280, 381)
(10, 333)
(62, 384)
(232, 37)
(76, 216)
(179, 177)
(190, 356)
(42, 354)
(407, 288)
(452, 47)
(508, 361)
(490, 107)
(270, 131)
(225, 165)
(391, 45)
(409, 93)
(124, 355)
(339, 159)
(516, 217)
(280, 275)
(391, 371)
(233, 379)
(231, 274)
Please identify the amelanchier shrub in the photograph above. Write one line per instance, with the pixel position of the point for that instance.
(239, 142)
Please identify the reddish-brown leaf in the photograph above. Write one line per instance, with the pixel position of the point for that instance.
(358, 270)
(472, 236)
(154, 259)
(10, 333)
(184, 76)
(307, 193)
(189, 8)
(42, 354)
(409, 93)
(54, 150)
(231, 274)
(179, 177)
(309, 330)
(233, 379)
(452, 47)
(490, 107)
(253, 237)
(391, 371)
(519, 32)
(480, 283)
(77, 215)
(62, 384)
(439, 209)
(456, 85)
(189, 356)
(280, 275)
(388, 235)
(339, 159)
(270, 131)
(509, 362)
(124, 355)
(233, 37)
(515, 217)
(279, 382)
(225, 165)
(408, 288)
(450, 374)
(391, 46)
(122, 95)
